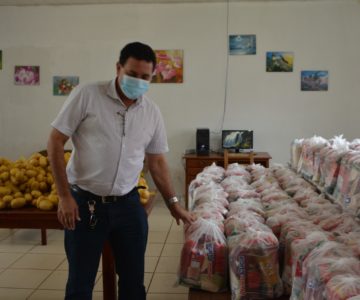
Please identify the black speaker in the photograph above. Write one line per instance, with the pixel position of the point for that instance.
(202, 141)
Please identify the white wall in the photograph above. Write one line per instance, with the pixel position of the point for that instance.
(85, 41)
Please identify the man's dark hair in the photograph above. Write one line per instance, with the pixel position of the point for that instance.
(138, 51)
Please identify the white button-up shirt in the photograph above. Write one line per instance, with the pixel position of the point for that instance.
(110, 140)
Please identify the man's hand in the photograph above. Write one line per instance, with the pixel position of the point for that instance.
(68, 212)
(180, 213)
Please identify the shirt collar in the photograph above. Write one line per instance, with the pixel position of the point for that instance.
(112, 93)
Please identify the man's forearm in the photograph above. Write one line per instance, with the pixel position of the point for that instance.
(58, 166)
(161, 176)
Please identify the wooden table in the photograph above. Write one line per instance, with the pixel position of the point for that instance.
(31, 217)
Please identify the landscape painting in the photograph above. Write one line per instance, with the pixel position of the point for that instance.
(244, 44)
(314, 80)
(279, 61)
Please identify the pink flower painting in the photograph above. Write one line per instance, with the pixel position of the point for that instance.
(27, 75)
(169, 67)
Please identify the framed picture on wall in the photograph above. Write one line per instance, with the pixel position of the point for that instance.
(279, 61)
(242, 44)
(314, 80)
(169, 66)
(63, 85)
(27, 75)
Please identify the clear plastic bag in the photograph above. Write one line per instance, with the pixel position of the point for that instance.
(291, 231)
(305, 194)
(295, 152)
(204, 258)
(244, 214)
(342, 287)
(275, 195)
(254, 268)
(258, 171)
(307, 163)
(235, 225)
(253, 205)
(237, 170)
(317, 272)
(215, 172)
(343, 223)
(300, 249)
(348, 182)
(207, 192)
(277, 221)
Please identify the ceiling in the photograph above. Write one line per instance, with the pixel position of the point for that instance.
(73, 2)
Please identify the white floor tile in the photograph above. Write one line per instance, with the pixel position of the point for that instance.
(175, 237)
(14, 294)
(4, 233)
(39, 261)
(7, 245)
(55, 234)
(166, 283)
(7, 259)
(99, 284)
(150, 263)
(28, 236)
(147, 280)
(159, 223)
(47, 295)
(167, 296)
(28, 279)
(168, 264)
(56, 295)
(53, 247)
(177, 228)
(97, 296)
(154, 249)
(56, 281)
(172, 250)
(157, 236)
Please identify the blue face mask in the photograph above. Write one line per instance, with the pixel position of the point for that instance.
(133, 87)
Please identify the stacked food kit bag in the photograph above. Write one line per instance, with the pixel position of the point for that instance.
(333, 165)
(225, 201)
(204, 256)
(264, 232)
(319, 240)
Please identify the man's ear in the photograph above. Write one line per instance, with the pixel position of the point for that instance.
(118, 67)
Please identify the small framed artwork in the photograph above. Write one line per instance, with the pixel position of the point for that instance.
(0, 59)
(63, 85)
(314, 80)
(242, 44)
(169, 66)
(27, 75)
(279, 61)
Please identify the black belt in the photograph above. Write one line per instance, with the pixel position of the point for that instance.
(104, 199)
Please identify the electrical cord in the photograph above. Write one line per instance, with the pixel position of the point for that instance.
(226, 65)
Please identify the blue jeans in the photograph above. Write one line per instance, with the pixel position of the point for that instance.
(125, 225)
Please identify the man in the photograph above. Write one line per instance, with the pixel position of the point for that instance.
(113, 127)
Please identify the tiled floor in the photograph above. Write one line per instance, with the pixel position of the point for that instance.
(31, 271)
